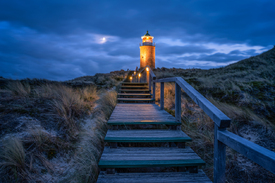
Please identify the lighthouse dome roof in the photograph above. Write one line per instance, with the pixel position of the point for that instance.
(147, 34)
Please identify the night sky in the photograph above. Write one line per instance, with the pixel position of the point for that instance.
(62, 40)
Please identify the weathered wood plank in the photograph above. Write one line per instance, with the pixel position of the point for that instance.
(177, 102)
(162, 155)
(127, 83)
(134, 90)
(148, 157)
(142, 119)
(146, 136)
(154, 90)
(150, 163)
(156, 177)
(152, 73)
(138, 116)
(161, 116)
(134, 94)
(141, 113)
(134, 87)
(161, 95)
(135, 99)
(256, 153)
(219, 158)
(137, 105)
(142, 122)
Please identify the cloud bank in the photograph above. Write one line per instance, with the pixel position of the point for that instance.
(61, 40)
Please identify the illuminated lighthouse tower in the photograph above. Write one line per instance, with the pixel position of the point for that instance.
(147, 51)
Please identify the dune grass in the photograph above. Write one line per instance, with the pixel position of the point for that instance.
(13, 163)
(71, 105)
(18, 88)
(92, 141)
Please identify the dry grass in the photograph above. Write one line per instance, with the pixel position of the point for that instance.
(92, 141)
(19, 89)
(46, 142)
(75, 140)
(89, 93)
(69, 103)
(107, 103)
(89, 153)
(169, 95)
(13, 159)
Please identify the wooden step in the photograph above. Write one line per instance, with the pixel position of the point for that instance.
(134, 87)
(144, 122)
(135, 99)
(154, 177)
(128, 83)
(134, 94)
(141, 114)
(146, 136)
(137, 157)
(135, 90)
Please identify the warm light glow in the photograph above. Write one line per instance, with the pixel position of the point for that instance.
(131, 78)
(135, 72)
(147, 69)
(139, 75)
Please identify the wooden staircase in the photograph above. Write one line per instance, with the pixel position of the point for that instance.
(146, 144)
(134, 93)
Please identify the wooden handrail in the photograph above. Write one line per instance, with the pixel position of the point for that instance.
(256, 153)
(222, 137)
(212, 111)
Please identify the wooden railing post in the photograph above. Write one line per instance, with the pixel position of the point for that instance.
(219, 158)
(178, 102)
(154, 91)
(147, 76)
(161, 95)
(149, 84)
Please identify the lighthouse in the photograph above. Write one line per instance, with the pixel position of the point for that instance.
(147, 51)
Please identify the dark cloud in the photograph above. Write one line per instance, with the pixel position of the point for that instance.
(217, 57)
(178, 50)
(61, 40)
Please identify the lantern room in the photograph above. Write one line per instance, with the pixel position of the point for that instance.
(147, 39)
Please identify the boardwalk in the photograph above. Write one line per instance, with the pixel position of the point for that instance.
(146, 144)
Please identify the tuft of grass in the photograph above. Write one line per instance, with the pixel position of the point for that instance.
(86, 161)
(70, 104)
(13, 158)
(89, 93)
(19, 89)
(107, 103)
